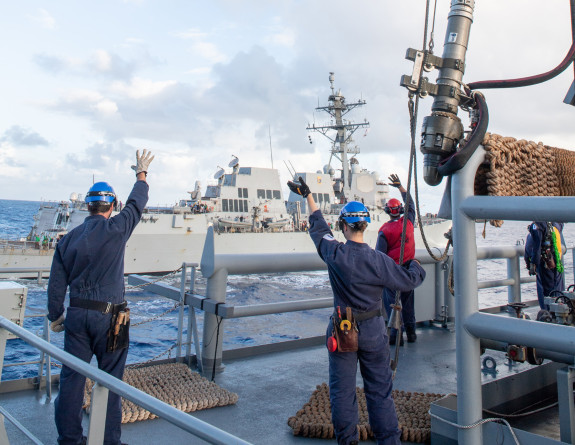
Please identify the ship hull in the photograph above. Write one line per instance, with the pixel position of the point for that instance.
(153, 250)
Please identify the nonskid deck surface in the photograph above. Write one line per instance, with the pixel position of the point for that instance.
(271, 388)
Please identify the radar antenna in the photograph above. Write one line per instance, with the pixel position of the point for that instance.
(219, 173)
(234, 161)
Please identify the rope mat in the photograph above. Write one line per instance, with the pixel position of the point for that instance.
(314, 419)
(524, 168)
(173, 383)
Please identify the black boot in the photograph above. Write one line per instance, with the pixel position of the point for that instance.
(411, 335)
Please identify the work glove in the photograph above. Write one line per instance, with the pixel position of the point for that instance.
(301, 189)
(395, 182)
(142, 162)
(532, 269)
(58, 325)
(408, 263)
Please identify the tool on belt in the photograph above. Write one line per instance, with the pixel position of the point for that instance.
(344, 333)
(119, 331)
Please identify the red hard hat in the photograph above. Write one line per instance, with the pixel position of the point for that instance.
(393, 207)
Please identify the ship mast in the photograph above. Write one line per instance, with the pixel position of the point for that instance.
(344, 129)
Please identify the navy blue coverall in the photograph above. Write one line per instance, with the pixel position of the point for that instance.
(547, 280)
(358, 274)
(407, 298)
(90, 261)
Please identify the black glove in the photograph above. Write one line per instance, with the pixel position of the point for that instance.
(395, 182)
(532, 269)
(301, 189)
(408, 263)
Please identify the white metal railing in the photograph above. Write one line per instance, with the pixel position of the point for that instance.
(106, 382)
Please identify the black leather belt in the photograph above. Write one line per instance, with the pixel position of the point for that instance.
(100, 306)
(361, 316)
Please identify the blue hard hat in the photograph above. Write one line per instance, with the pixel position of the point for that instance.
(101, 191)
(354, 211)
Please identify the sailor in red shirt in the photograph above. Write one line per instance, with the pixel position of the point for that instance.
(389, 242)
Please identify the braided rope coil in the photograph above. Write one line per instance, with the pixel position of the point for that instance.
(524, 168)
(173, 383)
(314, 418)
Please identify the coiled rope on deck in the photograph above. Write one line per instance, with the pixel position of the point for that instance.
(314, 419)
(515, 167)
(173, 383)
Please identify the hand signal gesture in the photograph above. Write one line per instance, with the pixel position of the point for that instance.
(301, 189)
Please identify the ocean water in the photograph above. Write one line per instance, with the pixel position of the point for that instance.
(154, 338)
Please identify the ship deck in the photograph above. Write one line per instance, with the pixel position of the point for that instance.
(272, 387)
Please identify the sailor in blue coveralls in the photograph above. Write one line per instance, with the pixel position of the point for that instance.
(89, 260)
(358, 274)
(548, 280)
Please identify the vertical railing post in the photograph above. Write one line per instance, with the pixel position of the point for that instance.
(193, 327)
(565, 379)
(469, 404)
(45, 360)
(3, 339)
(213, 325)
(181, 313)
(439, 291)
(98, 412)
(514, 290)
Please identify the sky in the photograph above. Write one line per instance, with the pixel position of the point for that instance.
(85, 84)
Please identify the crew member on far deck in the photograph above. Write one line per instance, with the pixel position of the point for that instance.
(544, 258)
(89, 260)
(356, 331)
(389, 242)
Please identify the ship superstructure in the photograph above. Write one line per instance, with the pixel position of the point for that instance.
(245, 205)
(342, 179)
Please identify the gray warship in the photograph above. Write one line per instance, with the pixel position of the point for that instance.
(500, 376)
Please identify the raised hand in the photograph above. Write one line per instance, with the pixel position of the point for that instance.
(395, 182)
(301, 189)
(143, 162)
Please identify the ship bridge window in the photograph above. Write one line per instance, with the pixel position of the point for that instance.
(261, 194)
(245, 192)
(230, 180)
(277, 194)
(240, 193)
(245, 171)
(268, 194)
(235, 205)
(314, 196)
(320, 197)
(326, 197)
(224, 205)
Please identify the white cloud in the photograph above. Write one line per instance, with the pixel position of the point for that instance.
(44, 18)
(208, 51)
(236, 68)
(195, 34)
(139, 88)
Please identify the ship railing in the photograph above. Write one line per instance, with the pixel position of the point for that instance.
(217, 268)
(473, 325)
(104, 383)
(38, 272)
(19, 245)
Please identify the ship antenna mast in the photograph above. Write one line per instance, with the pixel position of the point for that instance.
(271, 151)
(337, 108)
